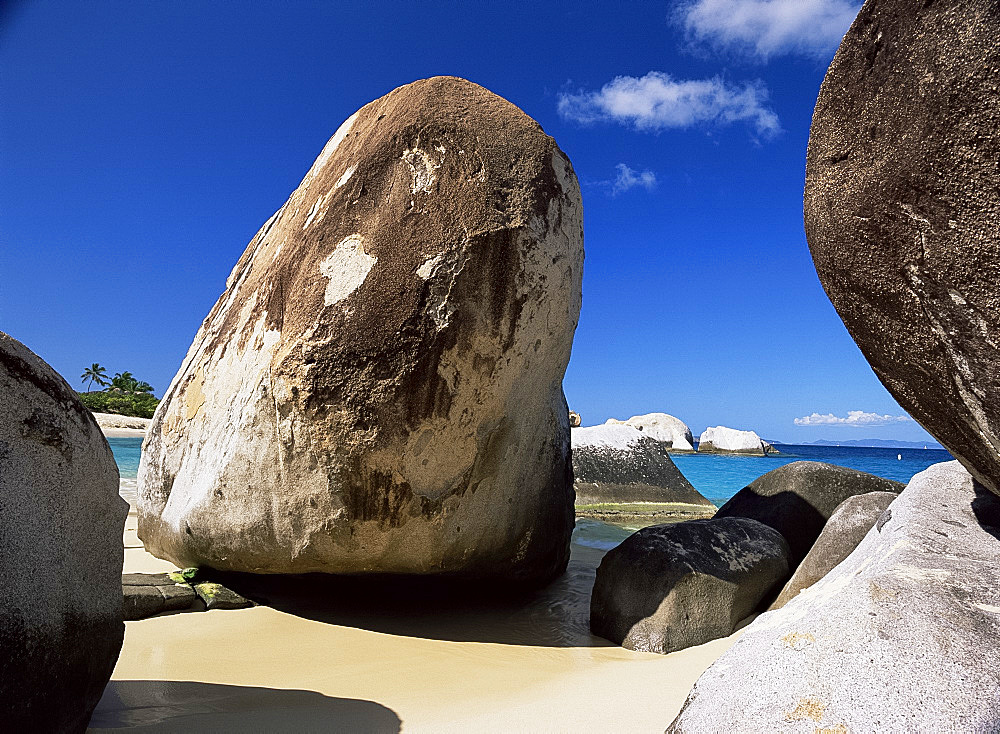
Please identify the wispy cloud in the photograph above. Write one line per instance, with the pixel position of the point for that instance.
(853, 418)
(629, 178)
(657, 101)
(765, 28)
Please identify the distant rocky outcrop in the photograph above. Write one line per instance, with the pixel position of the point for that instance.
(379, 389)
(847, 527)
(617, 463)
(664, 428)
(903, 635)
(668, 587)
(61, 524)
(722, 440)
(902, 210)
(798, 499)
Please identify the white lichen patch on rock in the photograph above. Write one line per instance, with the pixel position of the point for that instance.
(331, 146)
(345, 178)
(422, 168)
(346, 267)
(426, 270)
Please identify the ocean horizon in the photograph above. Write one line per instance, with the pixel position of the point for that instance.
(716, 476)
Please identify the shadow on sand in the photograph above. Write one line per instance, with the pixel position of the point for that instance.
(557, 615)
(167, 706)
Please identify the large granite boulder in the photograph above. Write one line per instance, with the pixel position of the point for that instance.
(664, 428)
(616, 463)
(61, 525)
(797, 499)
(902, 210)
(379, 389)
(668, 587)
(847, 527)
(902, 636)
(722, 440)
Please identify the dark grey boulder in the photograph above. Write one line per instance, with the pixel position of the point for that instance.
(668, 587)
(61, 525)
(902, 636)
(797, 500)
(616, 463)
(146, 595)
(847, 527)
(902, 211)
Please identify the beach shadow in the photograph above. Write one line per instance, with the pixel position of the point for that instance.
(187, 706)
(986, 508)
(557, 615)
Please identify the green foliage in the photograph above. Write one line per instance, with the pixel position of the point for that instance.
(136, 405)
(184, 576)
(122, 395)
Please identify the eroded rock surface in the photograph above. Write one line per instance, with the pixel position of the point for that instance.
(379, 389)
(797, 499)
(668, 587)
(902, 210)
(847, 527)
(61, 524)
(902, 636)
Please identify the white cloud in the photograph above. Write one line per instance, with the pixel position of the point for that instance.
(854, 418)
(764, 28)
(629, 178)
(657, 101)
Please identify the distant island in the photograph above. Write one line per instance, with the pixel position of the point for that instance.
(878, 443)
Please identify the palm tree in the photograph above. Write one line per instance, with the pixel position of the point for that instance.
(94, 373)
(123, 382)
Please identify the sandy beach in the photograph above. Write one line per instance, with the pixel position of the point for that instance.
(362, 661)
(120, 426)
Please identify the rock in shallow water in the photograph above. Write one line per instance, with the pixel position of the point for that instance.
(902, 636)
(61, 524)
(669, 587)
(722, 440)
(797, 499)
(617, 463)
(902, 211)
(663, 428)
(379, 389)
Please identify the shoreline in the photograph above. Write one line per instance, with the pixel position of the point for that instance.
(643, 514)
(443, 665)
(122, 426)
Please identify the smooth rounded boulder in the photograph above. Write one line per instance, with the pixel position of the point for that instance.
(902, 210)
(668, 587)
(797, 499)
(847, 527)
(722, 440)
(902, 636)
(379, 389)
(61, 525)
(664, 428)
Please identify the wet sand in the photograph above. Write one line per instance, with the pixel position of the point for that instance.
(344, 656)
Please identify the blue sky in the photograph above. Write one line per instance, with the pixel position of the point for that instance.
(143, 144)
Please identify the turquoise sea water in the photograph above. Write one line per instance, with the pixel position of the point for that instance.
(720, 477)
(717, 477)
(126, 451)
